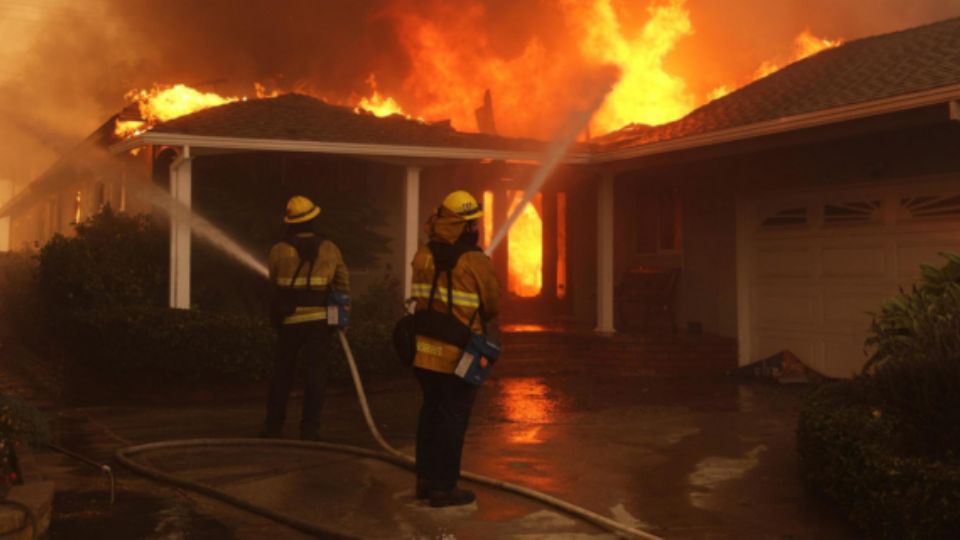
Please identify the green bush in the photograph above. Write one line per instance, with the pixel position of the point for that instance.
(18, 420)
(915, 370)
(114, 259)
(849, 453)
(130, 345)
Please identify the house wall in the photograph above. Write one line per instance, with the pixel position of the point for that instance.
(710, 187)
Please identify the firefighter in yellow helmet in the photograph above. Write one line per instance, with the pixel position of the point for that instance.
(454, 282)
(306, 270)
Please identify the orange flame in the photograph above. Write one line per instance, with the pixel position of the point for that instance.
(377, 104)
(163, 102)
(525, 248)
(646, 93)
(804, 45)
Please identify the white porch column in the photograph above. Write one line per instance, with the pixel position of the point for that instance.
(605, 255)
(411, 224)
(6, 193)
(181, 183)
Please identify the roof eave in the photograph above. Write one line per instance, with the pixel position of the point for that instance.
(944, 94)
(341, 148)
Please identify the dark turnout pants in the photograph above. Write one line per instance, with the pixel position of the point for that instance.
(312, 339)
(447, 401)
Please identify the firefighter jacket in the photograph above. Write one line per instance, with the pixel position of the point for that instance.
(327, 273)
(475, 293)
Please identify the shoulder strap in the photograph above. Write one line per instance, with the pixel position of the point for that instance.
(308, 249)
(449, 272)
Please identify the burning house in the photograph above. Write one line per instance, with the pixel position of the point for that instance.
(777, 215)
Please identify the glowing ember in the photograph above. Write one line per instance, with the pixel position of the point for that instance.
(525, 248)
(162, 103)
(377, 104)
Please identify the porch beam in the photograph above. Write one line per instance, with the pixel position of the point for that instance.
(181, 185)
(605, 254)
(411, 225)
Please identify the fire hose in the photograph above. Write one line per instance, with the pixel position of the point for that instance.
(389, 455)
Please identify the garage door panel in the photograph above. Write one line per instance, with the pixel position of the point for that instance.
(851, 309)
(854, 261)
(780, 307)
(842, 357)
(789, 261)
(811, 286)
(910, 255)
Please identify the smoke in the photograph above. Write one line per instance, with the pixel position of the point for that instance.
(69, 73)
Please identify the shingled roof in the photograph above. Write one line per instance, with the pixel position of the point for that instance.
(297, 117)
(864, 70)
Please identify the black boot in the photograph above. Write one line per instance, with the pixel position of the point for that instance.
(454, 497)
(423, 489)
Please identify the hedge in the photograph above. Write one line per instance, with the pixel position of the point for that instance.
(850, 453)
(149, 345)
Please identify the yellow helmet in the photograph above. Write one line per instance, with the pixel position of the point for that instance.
(463, 205)
(300, 210)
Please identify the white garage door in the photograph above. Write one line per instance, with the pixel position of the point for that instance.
(817, 262)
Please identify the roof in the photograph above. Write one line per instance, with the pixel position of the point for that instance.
(296, 117)
(860, 71)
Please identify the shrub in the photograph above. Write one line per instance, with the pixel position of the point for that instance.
(848, 453)
(371, 328)
(915, 370)
(114, 259)
(153, 345)
(18, 420)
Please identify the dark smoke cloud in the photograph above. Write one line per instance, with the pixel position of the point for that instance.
(90, 53)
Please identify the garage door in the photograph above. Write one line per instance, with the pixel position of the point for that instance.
(819, 262)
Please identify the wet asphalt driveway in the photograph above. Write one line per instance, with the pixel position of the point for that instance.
(681, 458)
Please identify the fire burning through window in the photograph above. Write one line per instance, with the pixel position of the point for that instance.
(525, 247)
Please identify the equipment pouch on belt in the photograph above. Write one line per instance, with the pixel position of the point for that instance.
(470, 367)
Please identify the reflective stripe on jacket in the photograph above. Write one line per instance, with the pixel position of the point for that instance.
(329, 273)
(474, 286)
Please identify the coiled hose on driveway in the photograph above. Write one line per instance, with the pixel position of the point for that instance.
(389, 454)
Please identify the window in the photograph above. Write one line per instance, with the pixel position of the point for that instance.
(659, 220)
(77, 209)
(851, 212)
(935, 207)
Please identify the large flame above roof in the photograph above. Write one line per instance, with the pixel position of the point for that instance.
(453, 61)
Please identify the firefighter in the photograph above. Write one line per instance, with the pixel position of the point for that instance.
(304, 268)
(455, 285)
